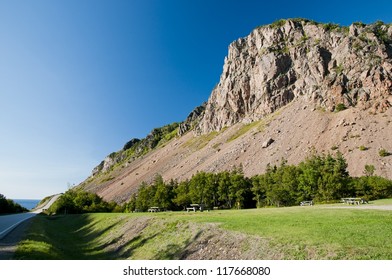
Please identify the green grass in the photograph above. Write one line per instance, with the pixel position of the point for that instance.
(104, 236)
(316, 232)
(387, 201)
(64, 237)
(328, 233)
(245, 128)
(199, 142)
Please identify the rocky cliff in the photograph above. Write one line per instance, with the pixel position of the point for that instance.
(324, 63)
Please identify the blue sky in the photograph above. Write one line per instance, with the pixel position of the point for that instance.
(79, 78)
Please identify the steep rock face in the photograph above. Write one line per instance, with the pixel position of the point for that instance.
(322, 63)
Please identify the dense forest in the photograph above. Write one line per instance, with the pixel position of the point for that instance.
(8, 206)
(320, 178)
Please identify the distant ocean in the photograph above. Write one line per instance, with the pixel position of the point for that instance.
(27, 203)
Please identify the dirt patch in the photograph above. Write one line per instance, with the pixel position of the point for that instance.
(119, 241)
(151, 238)
(214, 243)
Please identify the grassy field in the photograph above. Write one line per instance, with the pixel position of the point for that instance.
(316, 232)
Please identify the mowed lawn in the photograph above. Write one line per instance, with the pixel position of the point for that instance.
(316, 232)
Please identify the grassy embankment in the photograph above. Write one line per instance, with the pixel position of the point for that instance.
(288, 233)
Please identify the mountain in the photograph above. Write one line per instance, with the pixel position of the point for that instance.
(287, 90)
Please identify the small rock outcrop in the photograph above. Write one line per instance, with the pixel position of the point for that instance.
(321, 63)
(136, 148)
(192, 120)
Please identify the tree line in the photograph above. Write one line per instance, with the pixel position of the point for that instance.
(321, 178)
(8, 206)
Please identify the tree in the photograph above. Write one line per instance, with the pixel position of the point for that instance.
(197, 188)
(310, 172)
(212, 189)
(223, 189)
(182, 198)
(163, 194)
(240, 190)
(145, 197)
(259, 190)
(131, 205)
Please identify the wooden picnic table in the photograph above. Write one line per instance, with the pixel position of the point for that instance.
(154, 209)
(307, 203)
(353, 200)
(195, 207)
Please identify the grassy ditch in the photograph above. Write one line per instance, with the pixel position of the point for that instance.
(316, 232)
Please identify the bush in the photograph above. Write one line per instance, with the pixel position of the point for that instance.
(383, 153)
(362, 148)
(340, 107)
(331, 26)
(369, 170)
(278, 23)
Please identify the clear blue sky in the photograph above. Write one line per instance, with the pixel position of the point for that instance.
(79, 78)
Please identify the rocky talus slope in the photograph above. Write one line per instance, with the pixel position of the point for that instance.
(287, 90)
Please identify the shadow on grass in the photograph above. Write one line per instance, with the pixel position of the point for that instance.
(62, 237)
(77, 237)
(179, 251)
(83, 237)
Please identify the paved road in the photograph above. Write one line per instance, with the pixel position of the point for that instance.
(9, 222)
(48, 204)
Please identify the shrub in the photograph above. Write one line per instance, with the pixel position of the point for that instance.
(339, 69)
(369, 170)
(381, 32)
(359, 24)
(383, 153)
(362, 148)
(278, 23)
(340, 107)
(331, 26)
